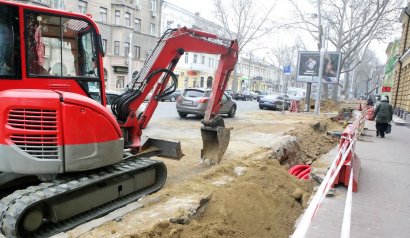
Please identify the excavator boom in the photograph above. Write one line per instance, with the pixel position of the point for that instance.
(158, 71)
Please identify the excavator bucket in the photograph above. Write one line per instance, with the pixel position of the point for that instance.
(215, 142)
(163, 148)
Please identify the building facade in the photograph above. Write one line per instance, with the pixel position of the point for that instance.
(401, 85)
(135, 26)
(125, 25)
(392, 51)
(256, 74)
(194, 70)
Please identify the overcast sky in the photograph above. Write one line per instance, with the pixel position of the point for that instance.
(282, 9)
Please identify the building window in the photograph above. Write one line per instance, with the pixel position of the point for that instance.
(103, 14)
(209, 62)
(116, 48)
(120, 82)
(153, 5)
(126, 48)
(152, 29)
(128, 19)
(57, 4)
(137, 52)
(82, 7)
(195, 58)
(104, 45)
(137, 24)
(186, 58)
(202, 82)
(117, 17)
(203, 59)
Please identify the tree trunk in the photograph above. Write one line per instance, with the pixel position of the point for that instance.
(335, 90)
(235, 79)
(346, 85)
(325, 92)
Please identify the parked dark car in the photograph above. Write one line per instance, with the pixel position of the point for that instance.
(261, 94)
(229, 93)
(274, 102)
(242, 95)
(172, 97)
(111, 95)
(195, 101)
(288, 100)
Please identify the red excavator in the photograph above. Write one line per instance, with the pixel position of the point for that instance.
(64, 157)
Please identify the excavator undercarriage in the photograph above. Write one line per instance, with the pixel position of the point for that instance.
(64, 203)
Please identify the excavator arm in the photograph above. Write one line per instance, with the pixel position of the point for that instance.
(157, 73)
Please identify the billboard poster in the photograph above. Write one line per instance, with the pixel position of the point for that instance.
(308, 67)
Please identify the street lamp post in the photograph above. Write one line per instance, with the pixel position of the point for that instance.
(249, 70)
(130, 61)
(322, 54)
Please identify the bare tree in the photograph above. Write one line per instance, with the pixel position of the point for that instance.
(243, 20)
(352, 25)
(285, 55)
(365, 72)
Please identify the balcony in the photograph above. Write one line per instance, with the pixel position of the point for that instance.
(129, 3)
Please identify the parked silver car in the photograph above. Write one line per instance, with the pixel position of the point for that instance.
(194, 101)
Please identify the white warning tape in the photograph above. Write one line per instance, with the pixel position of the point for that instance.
(327, 182)
(347, 216)
(324, 187)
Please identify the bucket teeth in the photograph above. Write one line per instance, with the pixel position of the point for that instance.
(215, 142)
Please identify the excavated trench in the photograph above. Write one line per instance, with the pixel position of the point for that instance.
(250, 195)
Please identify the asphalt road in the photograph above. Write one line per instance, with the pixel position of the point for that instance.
(168, 109)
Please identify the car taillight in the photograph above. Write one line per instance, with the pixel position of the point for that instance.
(203, 100)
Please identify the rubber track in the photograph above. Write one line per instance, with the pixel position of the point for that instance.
(12, 206)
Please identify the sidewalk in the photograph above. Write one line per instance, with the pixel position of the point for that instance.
(399, 122)
(381, 207)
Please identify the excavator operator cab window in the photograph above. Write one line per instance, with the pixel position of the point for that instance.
(9, 43)
(62, 47)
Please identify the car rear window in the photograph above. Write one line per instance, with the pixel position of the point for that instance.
(196, 93)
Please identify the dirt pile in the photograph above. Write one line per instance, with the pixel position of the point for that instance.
(325, 105)
(257, 204)
(329, 106)
(255, 198)
(313, 140)
(250, 194)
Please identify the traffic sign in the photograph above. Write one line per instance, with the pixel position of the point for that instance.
(286, 69)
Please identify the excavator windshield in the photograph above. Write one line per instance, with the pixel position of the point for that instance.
(9, 42)
(61, 47)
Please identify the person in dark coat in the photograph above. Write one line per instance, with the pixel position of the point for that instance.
(384, 115)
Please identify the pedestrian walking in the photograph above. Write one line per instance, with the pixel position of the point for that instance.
(384, 115)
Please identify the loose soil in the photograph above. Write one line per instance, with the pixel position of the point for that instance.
(249, 194)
